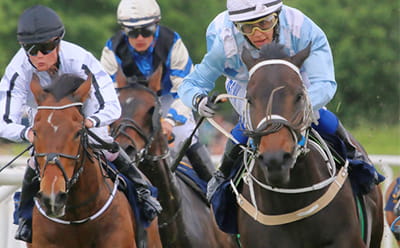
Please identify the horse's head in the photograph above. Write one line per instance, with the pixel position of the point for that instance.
(153, 83)
(58, 131)
(139, 121)
(279, 109)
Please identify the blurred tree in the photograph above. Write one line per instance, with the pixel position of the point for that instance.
(364, 37)
(365, 41)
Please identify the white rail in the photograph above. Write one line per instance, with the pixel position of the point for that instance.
(11, 178)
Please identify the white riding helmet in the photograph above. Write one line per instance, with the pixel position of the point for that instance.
(244, 10)
(138, 13)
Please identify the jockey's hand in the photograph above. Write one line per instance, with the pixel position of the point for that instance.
(30, 136)
(205, 106)
(167, 125)
(89, 123)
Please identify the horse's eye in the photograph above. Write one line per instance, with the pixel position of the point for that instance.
(78, 134)
(34, 132)
(299, 97)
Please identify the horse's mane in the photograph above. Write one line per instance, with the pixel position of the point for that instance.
(64, 85)
(273, 51)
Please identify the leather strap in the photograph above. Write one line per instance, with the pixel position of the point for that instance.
(313, 208)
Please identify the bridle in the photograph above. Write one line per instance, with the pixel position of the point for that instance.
(129, 123)
(83, 153)
(270, 124)
(54, 158)
(273, 123)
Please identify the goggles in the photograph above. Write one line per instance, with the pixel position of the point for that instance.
(143, 31)
(263, 24)
(44, 47)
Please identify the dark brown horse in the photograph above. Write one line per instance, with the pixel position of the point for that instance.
(77, 205)
(392, 209)
(186, 219)
(292, 195)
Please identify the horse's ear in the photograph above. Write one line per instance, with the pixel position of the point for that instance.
(82, 92)
(37, 89)
(155, 79)
(248, 59)
(299, 58)
(120, 78)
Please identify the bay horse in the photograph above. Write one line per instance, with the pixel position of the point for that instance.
(291, 194)
(392, 208)
(186, 219)
(77, 204)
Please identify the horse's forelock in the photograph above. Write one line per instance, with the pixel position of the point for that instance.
(273, 51)
(64, 85)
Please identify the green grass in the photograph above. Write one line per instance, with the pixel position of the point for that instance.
(382, 139)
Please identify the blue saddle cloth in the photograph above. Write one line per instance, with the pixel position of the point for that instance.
(394, 197)
(363, 178)
(129, 191)
(192, 175)
(131, 194)
(224, 205)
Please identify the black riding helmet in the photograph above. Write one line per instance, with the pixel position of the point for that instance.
(38, 24)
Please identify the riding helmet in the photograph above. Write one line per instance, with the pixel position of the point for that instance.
(38, 24)
(138, 13)
(244, 10)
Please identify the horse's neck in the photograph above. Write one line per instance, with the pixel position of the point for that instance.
(160, 175)
(89, 191)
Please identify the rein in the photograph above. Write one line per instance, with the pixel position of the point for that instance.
(126, 123)
(53, 158)
(275, 123)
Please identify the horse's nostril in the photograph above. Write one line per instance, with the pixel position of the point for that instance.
(62, 197)
(39, 194)
(287, 156)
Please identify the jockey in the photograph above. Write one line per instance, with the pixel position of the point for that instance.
(251, 24)
(138, 49)
(43, 52)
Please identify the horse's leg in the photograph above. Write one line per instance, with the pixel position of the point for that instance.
(153, 236)
(374, 209)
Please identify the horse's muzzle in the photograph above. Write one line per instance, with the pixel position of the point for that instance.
(276, 167)
(54, 204)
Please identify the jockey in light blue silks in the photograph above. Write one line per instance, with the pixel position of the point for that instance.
(251, 24)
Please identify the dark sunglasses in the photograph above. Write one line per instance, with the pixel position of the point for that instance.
(144, 31)
(45, 47)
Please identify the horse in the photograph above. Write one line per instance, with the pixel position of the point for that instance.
(186, 219)
(78, 205)
(392, 209)
(291, 194)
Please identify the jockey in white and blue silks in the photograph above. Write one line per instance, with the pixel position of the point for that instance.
(44, 53)
(138, 49)
(251, 24)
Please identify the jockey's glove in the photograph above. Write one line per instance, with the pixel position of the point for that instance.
(205, 106)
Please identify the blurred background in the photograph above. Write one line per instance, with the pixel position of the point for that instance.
(364, 37)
